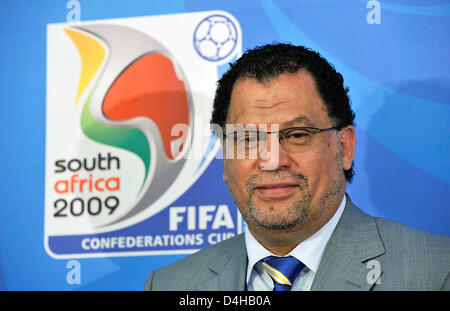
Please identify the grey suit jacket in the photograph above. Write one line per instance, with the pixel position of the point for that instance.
(363, 253)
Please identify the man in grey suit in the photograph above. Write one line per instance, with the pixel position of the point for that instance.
(289, 142)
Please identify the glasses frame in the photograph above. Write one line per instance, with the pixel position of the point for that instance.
(317, 130)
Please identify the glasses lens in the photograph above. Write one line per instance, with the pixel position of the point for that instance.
(247, 139)
(246, 143)
(296, 140)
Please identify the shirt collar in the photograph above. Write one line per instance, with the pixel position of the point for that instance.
(309, 252)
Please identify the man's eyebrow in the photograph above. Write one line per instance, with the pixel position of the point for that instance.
(291, 123)
(297, 120)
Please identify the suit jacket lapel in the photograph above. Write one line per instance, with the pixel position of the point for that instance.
(354, 241)
(228, 268)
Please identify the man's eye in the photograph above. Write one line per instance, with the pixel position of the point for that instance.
(297, 135)
(241, 138)
(249, 139)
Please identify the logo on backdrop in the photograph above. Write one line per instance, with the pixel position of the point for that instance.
(215, 37)
(116, 160)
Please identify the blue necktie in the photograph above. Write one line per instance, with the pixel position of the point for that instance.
(283, 271)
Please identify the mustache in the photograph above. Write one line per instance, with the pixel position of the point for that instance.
(255, 181)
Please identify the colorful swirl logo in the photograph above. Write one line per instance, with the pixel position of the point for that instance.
(136, 94)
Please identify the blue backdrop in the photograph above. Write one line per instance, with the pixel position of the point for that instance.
(394, 60)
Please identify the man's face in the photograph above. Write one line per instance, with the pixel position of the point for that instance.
(285, 191)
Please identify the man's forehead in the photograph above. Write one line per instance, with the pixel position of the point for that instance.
(288, 100)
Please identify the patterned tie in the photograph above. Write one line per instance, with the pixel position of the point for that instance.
(283, 271)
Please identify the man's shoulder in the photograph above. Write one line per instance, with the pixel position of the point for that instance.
(392, 233)
(410, 259)
(191, 269)
(399, 236)
(208, 254)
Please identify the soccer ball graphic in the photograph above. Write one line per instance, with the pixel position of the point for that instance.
(215, 37)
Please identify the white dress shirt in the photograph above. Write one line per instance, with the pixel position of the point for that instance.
(309, 252)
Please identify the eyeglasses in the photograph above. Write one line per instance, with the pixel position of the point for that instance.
(293, 139)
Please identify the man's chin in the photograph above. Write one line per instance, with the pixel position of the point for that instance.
(281, 203)
(278, 216)
(284, 225)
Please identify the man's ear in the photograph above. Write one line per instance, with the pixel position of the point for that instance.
(348, 143)
(224, 176)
